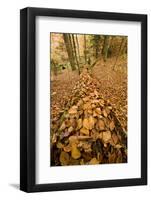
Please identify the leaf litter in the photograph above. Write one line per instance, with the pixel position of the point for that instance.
(87, 130)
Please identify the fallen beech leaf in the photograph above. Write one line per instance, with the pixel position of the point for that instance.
(91, 122)
(106, 136)
(74, 161)
(86, 123)
(67, 148)
(54, 139)
(70, 129)
(112, 126)
(63, 126)
(115, 138)
(75, 153)
(87, 106)
(84, 131)
(73, 139)
(101, 125)
(73, 110)
(98, 111)
(64, 158)
(105, 113)
(93, 161)
(112, 157)
(118, 146)
(59, 145)
(79, 124)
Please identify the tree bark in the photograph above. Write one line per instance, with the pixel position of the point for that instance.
(68, 45)
(122, 41)
(85, 49)
(75, 53)
(106, 47)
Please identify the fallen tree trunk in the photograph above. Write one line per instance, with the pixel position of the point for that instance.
(88, 132)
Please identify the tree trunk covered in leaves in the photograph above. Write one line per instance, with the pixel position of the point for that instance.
(106, 47)
(67, 40)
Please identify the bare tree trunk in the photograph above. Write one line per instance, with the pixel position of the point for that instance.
(124, 48)
(118, 53)
(106, 47)
(85, 49)
(77, 47)
(75, 53)
(68, 45)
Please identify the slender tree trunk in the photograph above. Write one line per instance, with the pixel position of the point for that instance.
(75, 53)
(106, 47)
(85, 49)
(54, 67)
(118, 53)
(68, 45)
(124, 48)
(77, 47)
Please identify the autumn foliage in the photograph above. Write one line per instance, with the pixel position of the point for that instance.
(88, 117)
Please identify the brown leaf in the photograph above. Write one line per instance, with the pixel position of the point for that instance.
(106, 136)
(105, 113)
(91, 122)
(64, 158)
(115, 138)
(112, 157)
(75, 153)
(84, 131)
(67, 148)
(101, 125)
(98, 111)
(73, 110)
(112, 126)
(93, 161)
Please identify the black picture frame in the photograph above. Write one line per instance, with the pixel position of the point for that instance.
(28, 99)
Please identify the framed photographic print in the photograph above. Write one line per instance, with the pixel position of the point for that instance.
(83, 99)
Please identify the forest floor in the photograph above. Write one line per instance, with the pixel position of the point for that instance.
(112, 86)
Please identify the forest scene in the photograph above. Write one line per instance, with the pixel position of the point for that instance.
(88, 99)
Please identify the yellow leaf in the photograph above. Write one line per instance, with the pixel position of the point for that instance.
(84, 131)
(79, 125)
(63, 126)
(93, 161)
(59, 145)
(106, 136)
(86, 123)
(91, 122)
(75, 153)
(64, 158)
